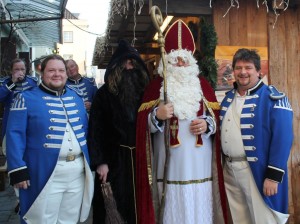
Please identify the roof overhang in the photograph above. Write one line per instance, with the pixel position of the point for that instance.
(37, 22)
(135, 25)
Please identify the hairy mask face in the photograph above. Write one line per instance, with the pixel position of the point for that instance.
(131, 86)
(128, 85)
(128, 72)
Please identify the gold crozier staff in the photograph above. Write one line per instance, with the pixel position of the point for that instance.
(157, 20)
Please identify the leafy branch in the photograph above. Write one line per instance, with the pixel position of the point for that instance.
(206, 57)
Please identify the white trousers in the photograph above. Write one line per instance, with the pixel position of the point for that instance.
(245, 202)
(66, 193)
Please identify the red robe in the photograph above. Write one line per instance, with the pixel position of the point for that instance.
(145, 208)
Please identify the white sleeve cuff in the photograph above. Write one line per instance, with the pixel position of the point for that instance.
(211, 126)
(154, 124)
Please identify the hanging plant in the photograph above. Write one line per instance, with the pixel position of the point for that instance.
(206, 57)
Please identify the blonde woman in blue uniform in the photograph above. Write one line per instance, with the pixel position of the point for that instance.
(18, 81)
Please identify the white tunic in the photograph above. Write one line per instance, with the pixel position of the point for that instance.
(189, 179)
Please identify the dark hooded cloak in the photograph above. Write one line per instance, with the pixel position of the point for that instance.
(112, 132)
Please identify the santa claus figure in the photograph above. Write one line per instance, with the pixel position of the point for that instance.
(189, 188)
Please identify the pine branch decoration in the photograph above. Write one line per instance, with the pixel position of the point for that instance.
(206, 57)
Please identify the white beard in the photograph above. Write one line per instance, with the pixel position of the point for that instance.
(183, 90)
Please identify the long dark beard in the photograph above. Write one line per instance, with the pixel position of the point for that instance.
(131, 89)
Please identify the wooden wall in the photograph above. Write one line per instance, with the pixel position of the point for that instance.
(252, 26)
(284, 46)
(245, 26)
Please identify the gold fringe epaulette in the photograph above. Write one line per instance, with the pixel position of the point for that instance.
(149, 105)
(214, 105)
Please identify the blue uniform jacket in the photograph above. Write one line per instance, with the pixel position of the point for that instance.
(7, 92)
(86, 85)
(267, 132)
(35, 131)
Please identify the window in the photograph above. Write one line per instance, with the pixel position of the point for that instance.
(68, 37)
(68, 56)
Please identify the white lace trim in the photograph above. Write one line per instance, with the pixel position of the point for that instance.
(189, 204)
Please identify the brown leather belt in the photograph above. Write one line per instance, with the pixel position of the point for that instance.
(234, 159)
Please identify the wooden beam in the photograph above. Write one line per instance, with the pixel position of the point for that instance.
(191, 7)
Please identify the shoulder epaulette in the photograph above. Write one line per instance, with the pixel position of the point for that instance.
(78, 91)
(148, 105)
(214, 105)
(4, 78)
(32, 77)
(275, 94)
(28, 88)
(92, 80)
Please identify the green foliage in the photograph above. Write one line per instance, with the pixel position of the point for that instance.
(206, 57)
(208, 67)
